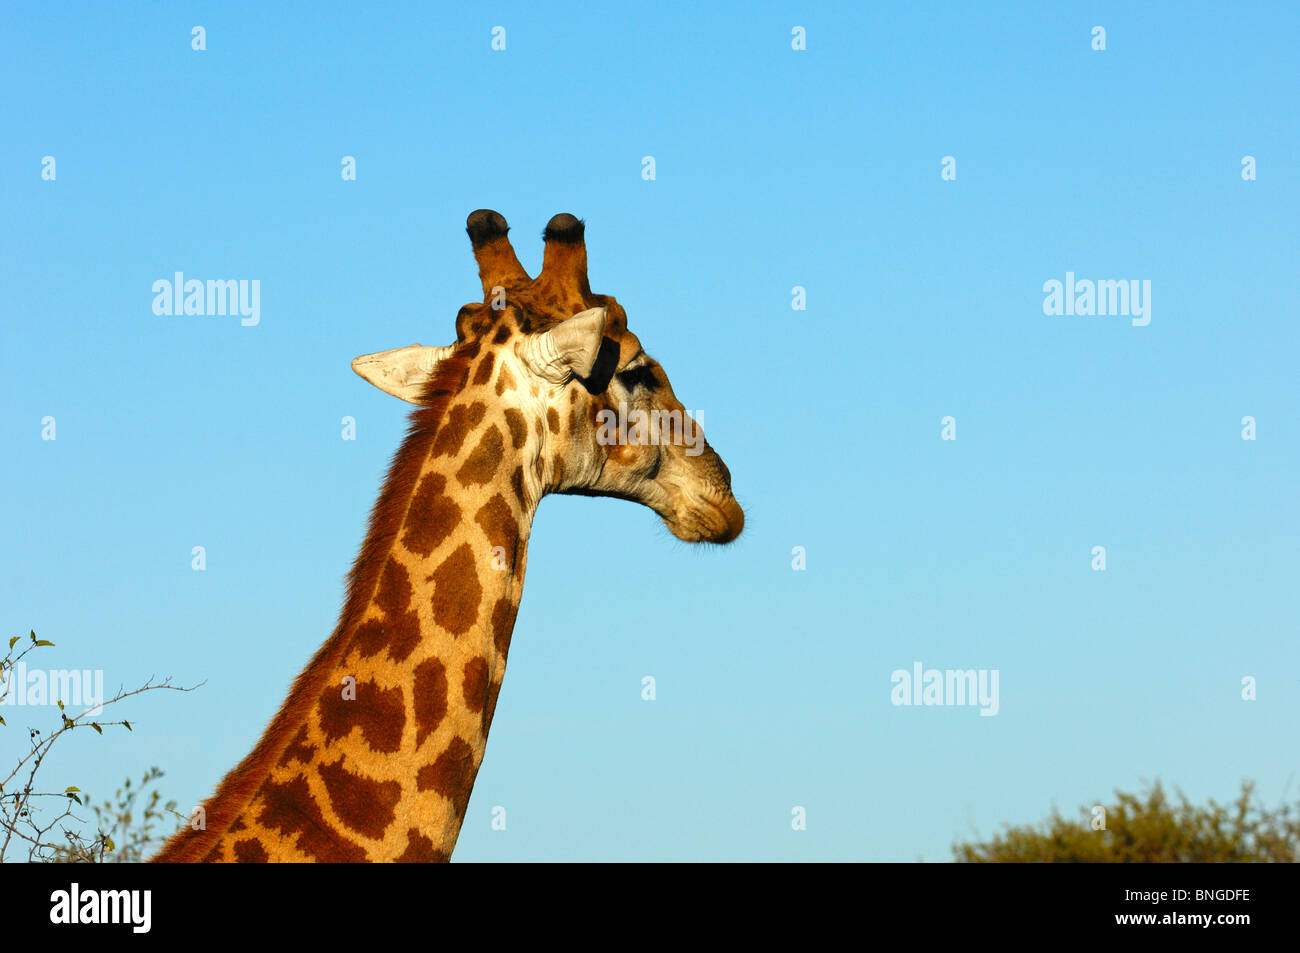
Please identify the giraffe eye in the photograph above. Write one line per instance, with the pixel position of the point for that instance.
(635, 377)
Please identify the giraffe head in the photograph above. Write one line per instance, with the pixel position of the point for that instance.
(590, 410)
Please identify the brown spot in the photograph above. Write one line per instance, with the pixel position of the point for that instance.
(403, 636)
(573, 396)
(394, 593)
(573, 418)
(290, 809)
(370, 637)
(400, 631)
(539, 426)
(363, 804)
(452, 775)
(503, 623)
(430, 698)
(518, 429)
(498, 522)
(552, 420)
(456, 591)
(505, 380)
(490, 708)
(452, 432)
(483, 462)
(250, 852)
(474, 685)
(483, 373)
(379, 713)
(420, 850)
(237, 825)
(517, 483)
(431, 516)
(456, 427)
(501, 337)
(299, 750)
(216, 855)
(558, 466)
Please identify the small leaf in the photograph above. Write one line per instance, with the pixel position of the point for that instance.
(128, 726)
(12, 641)
(95, 725)
(71, 788)
(60, 706)
(44, 642)
(2, 721)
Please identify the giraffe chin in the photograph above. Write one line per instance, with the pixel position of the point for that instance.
(707, 521)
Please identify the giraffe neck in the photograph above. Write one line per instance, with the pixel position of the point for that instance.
(375, 752)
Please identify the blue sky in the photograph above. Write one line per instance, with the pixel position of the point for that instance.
(775, 168)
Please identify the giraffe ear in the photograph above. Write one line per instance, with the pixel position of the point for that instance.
(568, 349)
(404, 371)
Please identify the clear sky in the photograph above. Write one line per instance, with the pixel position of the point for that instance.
(775, 168)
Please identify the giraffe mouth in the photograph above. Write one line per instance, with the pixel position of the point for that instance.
(707, 520)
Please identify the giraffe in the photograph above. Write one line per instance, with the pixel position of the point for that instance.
(374, 752)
